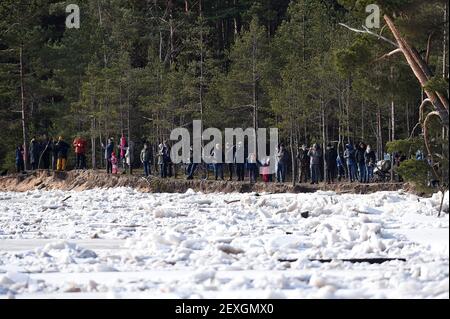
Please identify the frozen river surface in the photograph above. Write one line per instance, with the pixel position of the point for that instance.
(119, 243)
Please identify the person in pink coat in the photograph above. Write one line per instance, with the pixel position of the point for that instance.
(123, 149)
(114, 162)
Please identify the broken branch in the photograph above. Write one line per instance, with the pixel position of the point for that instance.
(367, 31)
(387, 55)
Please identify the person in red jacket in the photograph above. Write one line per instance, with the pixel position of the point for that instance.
(79, 145)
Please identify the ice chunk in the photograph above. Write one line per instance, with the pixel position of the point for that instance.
(317, 281)
(163, 213)
(204, 275)
(228, 249)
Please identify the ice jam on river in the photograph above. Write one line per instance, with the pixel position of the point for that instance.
(119, 243)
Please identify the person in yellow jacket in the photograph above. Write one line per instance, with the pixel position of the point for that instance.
(62, 149)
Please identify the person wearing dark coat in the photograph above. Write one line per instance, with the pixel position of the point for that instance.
(45, 158)
(330, 160)
(252, 167)
(109, 149)
(240, 167)
(370, 159)
(361, 162)
(303, 164)
(34, 154)
(218, 157)
(349, 156)
(20, 164)
(63, 150)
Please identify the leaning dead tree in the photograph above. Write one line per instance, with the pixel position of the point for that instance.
(437, 100)
(420, 68)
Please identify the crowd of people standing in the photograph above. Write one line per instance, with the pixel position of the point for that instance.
(49, 154)
(353, 164)
(313, 164)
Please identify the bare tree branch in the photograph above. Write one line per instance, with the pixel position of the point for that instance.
(427, 143)
(367, 31)
(422, 109)
(387, 55)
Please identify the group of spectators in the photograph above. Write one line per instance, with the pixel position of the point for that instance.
(49, 154)
(353, 164)
(313, 164)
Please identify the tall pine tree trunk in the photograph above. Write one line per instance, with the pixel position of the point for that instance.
(379, 134)
(93, 143)
(201, 66)
(24, 113)
(235, 21)
(392, 121)
(392, 109)
(408, 124)
(348, 110)
(255, 88)
(291, 144)
(128, 113)
(322, 106)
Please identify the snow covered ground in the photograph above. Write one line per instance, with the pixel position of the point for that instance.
(119, 243)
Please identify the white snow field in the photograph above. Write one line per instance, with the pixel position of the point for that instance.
(119, 243)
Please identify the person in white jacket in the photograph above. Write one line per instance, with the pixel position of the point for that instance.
(129, 156)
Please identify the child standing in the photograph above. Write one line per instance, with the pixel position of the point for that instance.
(114, 162)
